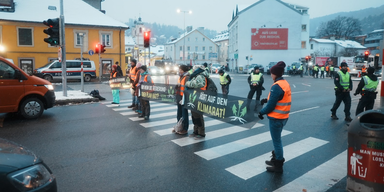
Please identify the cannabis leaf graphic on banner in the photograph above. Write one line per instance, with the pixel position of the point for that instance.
(237, 114)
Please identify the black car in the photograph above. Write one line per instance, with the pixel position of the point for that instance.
(22, 170)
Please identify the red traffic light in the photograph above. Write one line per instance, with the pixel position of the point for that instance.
(147, 37)
(366, 53)
(97, 48)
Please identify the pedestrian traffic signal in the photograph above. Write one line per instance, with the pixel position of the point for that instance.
(97, 48)
(102, 48)
(147, 37)
(53, 31)
(366, 53)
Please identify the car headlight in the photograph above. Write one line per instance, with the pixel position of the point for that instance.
(31, 177)
(161, 71)
(49, 87)
(167, 68)
(175, 68)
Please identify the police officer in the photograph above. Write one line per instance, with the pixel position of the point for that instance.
(331, 71)
(367, 89)
(255, 81)
(343, 85)
(316, 71)
(301, 70)
(322, 69)
(225, 80)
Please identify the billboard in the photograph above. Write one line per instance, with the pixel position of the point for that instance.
(269, 38)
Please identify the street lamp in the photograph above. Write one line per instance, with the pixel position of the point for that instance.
(189, 12)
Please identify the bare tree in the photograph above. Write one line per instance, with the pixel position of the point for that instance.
(340, 27)
(347, 52)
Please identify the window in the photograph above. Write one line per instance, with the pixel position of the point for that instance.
(188, 38)
(203, 48)
(311, 46)
(106, 39)
(77, 39)
(6, 71)
(203, 38)
(303, 27)
(181, 48)
(196, 48)
(203, 56)
(196, 57)
(56, 65)
(25, 36)
(189, 57)
(171, 49)
(188, 48)
(196, 39)
(181, 58)
(210, 48)
(303, 44)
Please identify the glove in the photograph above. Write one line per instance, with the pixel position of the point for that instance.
(263, 101)
(261, 116)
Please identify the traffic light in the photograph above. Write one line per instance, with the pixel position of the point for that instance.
(366, 53)
(306, 59)
(102, 48)
(147, 37)
(53, 31)
(97, 48)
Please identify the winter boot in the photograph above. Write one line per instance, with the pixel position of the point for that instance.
(277, 166)
(131, 106)
(273, 158)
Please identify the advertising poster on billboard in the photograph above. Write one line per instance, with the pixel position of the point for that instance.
(322, 61)
(349, 61)
(269, 38)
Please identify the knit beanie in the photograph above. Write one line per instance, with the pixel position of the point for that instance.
(134, 61)
(344, 64)
(278, 69)
(370, 70)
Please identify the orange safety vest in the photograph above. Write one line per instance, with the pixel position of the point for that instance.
(363, 70)
(327, 68)
(145, 78)
(182, 85)
(283, 107)
(132, 73)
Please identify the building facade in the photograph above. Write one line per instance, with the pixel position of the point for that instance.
(222, 40)
(198, 48)
(268, 31)
(375, 44)
(335, 48)
(22, 36)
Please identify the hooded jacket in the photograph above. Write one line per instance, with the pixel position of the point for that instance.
(197, 79)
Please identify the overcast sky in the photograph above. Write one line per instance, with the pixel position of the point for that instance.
(214, 14)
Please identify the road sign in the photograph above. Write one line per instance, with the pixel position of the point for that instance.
(212, 55)
(236, 56)
(90, 52)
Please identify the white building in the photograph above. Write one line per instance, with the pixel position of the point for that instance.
(222, 40)
(198, 48)
(268, 31)
(375, 43)
(335, 48)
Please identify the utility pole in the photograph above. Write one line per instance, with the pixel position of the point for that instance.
(81, 58)
(62, 40)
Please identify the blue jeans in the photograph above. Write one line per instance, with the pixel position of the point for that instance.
(183, 112)
(116, 95)
(275, 128)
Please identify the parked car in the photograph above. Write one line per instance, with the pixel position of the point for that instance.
(23, 93)
(153, 70)
(290, 69)
(22, 170)
(269, 66)
(215, 67)
(252, 66)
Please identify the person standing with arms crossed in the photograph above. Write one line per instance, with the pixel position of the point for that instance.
(277, 109)
(343, 86)
(367, 88)
(225, 80)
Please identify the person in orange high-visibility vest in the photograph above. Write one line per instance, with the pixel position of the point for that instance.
(180, 88)
(145, 77)
(133, 71)
(277, 109)
(363, 70)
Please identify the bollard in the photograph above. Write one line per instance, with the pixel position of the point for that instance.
(366, 152)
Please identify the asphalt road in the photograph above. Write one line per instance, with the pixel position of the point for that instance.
(98, 147)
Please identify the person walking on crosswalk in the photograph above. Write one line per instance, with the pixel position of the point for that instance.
(343, 87)
(225, 80)
(277, 109)
(198, 80)
(367, 89)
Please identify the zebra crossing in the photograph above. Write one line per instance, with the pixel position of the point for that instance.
(163, 117)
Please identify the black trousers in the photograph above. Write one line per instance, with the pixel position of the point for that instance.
(145, 107)
(252, 92)
(198, 123)
(344, 97)
(225, 89)
(321, 74)
(366, 103)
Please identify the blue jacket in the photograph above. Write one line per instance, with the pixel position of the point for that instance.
(277, 94)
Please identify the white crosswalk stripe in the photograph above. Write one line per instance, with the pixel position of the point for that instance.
(253, 167)
(163, 118)
(336, 168)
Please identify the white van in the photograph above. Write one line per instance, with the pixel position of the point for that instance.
(52, 71)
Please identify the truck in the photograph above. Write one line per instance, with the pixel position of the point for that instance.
(359, 61)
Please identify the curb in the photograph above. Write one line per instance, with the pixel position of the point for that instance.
(75, 101)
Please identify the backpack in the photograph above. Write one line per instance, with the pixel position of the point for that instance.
(211, 87)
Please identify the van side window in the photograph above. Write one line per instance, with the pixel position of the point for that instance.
(86, 64)
(73, 64)
(56, 65)
(6, 71)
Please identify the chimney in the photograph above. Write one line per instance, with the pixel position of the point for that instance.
(189, 29)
